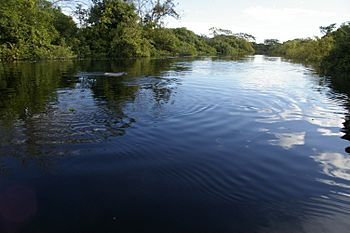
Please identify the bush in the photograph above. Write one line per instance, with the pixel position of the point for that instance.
(337, 62)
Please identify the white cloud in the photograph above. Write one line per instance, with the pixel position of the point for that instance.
(283, 14)
(283, 20)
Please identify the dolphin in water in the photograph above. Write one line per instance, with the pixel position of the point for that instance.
(116, 74)
(107, 74)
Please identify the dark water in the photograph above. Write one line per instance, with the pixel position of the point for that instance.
(206, 145)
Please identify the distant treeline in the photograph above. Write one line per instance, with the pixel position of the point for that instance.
(38, 29)
(330, 54)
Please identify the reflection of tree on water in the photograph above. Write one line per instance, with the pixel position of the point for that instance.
(26, 87)
(342, 85)
(45, 108)
(25, 91)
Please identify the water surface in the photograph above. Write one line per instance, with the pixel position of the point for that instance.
(177, 145)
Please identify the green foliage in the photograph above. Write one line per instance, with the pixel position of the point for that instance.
(153, 12)
(27, 31)
(36, 29)
(177, 42)
(337, 61)
(310, 51)
(228, 44)
(163, 40)
(66, 28)
(231, 45)
(330, 54)
(269, 47)
(114, 31)
(192, 44)
(326, 30)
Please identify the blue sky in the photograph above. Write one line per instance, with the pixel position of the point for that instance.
(283, 20)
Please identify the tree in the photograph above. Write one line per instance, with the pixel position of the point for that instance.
(337, 61)
(219, 31)
(32, 29)
(230, 45)
(27, 30)
(271, 42)
(154, 11)
(328, 29)
(246, 36)
(81, 15)
(65, 26)
(69, 5)
(113, 30)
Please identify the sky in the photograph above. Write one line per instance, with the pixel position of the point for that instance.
(267, 19)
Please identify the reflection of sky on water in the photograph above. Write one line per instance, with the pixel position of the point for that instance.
(280, 96)
(270, 129)
(334, 165)
(325, 117)
(335, 204)
(329, 132)
(289, 140)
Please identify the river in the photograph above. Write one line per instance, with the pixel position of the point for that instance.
(176, 145)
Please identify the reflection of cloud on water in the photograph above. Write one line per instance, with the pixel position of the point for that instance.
(330, 211)
(321, 117)
(289, 140)
(335, 165)
(328, 132)
(333, 183)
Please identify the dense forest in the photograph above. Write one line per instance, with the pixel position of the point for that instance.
(38, 29)
(35, 29)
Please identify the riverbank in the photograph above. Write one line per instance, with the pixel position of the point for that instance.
(329, 55)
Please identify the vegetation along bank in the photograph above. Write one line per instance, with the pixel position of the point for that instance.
(39, 29)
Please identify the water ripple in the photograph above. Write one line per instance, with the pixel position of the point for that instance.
(257, 141)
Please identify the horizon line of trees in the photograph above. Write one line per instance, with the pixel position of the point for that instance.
(38, 29)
